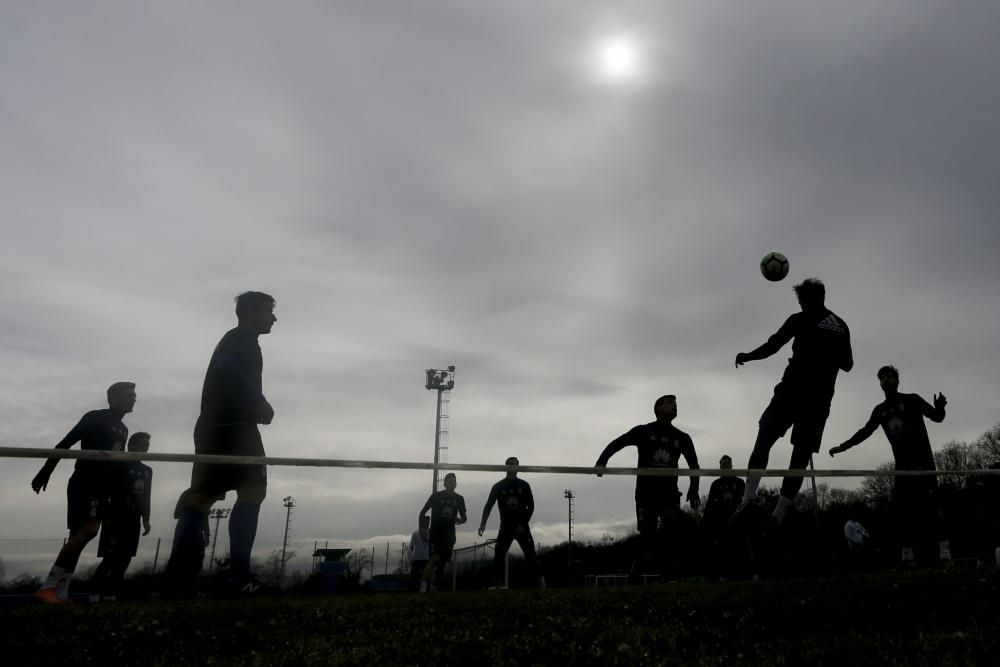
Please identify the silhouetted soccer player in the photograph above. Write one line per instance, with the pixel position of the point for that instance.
(723, 498)
(90, 486)
(127, 509)
(802, 399)
(232, 405)
(901, 417)
(447, 511)
(516, 507)
(657, 500)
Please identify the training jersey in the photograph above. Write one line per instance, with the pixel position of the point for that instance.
(136, 488)
(902, 420)
(514, 500)
(445, 507)
(98, 430)
(234, 380)
(821, 347)
(724, 497)
(660, 445)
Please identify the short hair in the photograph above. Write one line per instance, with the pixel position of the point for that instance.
(249, 301)
(725, 457)
(811, 290)
(119, 387)
(660, 400)
(138, 435)
(451, 474)
(887, 370)
(511, 461)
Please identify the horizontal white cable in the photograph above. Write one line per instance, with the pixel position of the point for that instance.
(90, 455)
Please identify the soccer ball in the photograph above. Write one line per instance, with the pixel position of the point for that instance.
(774, 266)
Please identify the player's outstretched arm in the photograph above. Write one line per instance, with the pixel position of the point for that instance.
(462, 516)
(41, 480)
(487, 509)
(613, 447)
(862, 434)
(773, 344)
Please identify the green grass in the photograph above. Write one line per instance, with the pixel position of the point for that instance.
(923, 618)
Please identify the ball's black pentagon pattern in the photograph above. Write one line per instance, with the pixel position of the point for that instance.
(774, 266)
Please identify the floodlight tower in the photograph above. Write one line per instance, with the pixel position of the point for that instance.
(217, 513)
(569, 496)
(443, 382)
(289, 503)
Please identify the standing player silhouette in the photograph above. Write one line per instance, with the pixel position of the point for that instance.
(90, 486)
(516, 507)
(901, 417)
(447, 511)
(657, 500)
(232, 405)
(128, 508)
(802, 399)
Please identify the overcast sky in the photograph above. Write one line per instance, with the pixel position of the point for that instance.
(469, 183)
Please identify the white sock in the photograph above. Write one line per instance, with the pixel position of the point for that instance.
(944, 550)
(781, 508)
(907, 554)
(51, 581)
(62, 586)
(423, 586)
(750, 491)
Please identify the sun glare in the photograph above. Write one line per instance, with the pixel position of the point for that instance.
(618, 58)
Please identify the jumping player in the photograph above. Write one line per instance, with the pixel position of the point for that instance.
(90, 486)
(447, 511)
(232, 405)
(128, 508)
(802, 399)
(516, 507)
(657, 500)
(901, 417)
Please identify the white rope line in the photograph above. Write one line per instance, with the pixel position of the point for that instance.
(90, 455)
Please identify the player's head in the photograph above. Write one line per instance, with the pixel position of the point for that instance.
(811, 293)
(726, 462)
(450, 481)
(512, 461)
(121, 396)
(255, 310)
(665, 407)
(139, 442)
(888, 378)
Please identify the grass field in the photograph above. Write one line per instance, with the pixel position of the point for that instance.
(917, 618)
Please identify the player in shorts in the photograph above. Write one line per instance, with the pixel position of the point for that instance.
(901, 417)
(128, 512)
(517, 504)
(724, 496)
(447, 511)
(801, 401)
(90, 486)
(232, 406)
(657, 500)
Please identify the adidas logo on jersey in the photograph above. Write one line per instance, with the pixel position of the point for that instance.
(831, 323)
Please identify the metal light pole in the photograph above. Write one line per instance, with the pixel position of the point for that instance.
(569, 496)
(289, 503)
(443, 381)
(217, 513)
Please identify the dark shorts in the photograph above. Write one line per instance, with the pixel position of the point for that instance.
(119, 534)
(214, 479)
(87, 500)
(442, 542)
(916, 493)
(651, 508)
(802, 411)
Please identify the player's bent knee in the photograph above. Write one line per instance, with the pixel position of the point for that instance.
(252, 494)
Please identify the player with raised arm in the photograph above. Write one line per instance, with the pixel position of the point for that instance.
(90, 486)
(801, 401)
(447, 511)
(657, 500)
(901, 417)
(128, 508)
(516, 507)
(232, 406)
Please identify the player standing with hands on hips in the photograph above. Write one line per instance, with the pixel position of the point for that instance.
(901, 417)
(801, 401)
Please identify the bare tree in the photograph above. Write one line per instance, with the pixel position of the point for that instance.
(957, 455)
(989, 444)
(877, 489)
(272, 566)
(358, 561)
